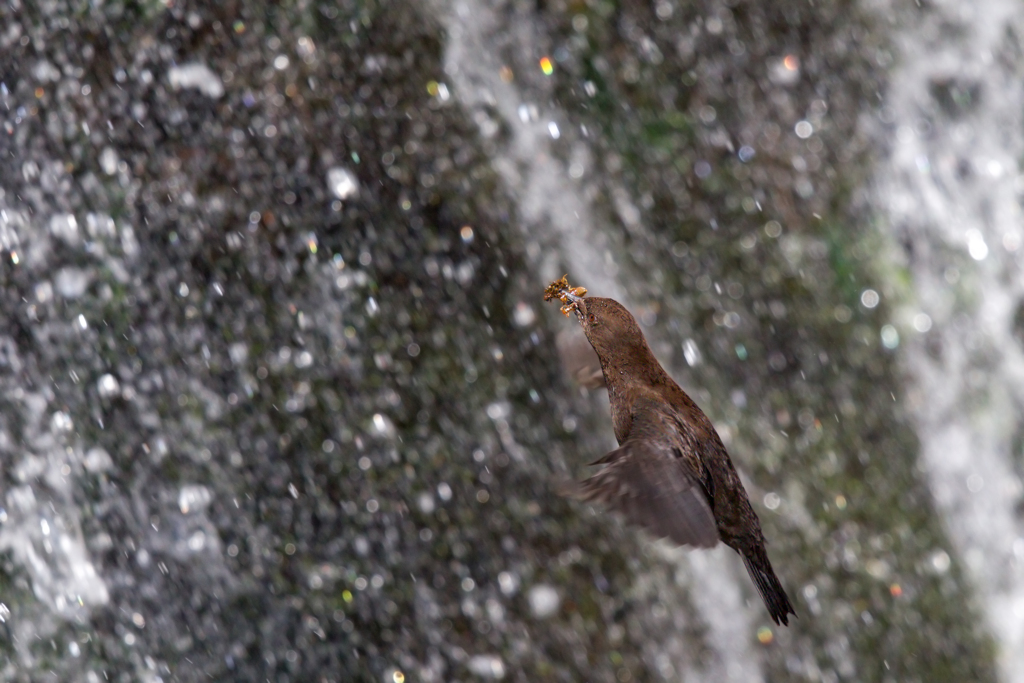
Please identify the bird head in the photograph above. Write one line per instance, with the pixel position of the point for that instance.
(610, 328)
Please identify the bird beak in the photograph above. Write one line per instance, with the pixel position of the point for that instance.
(575, 303)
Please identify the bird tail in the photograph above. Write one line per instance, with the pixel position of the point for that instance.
(755, 559)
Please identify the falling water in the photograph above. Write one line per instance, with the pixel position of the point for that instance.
(559, 223)
(277, 400)
(557, 217)
(951, 191)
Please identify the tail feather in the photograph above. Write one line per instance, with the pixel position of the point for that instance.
(774, 595)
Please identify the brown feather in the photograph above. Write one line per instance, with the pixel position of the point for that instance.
(671, 473)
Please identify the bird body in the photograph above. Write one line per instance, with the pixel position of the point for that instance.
(671, 473)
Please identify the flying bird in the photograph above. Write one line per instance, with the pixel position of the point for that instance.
(671, 473)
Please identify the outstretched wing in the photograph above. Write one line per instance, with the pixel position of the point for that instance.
(647, 480)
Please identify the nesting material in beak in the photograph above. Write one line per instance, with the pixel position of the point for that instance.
(571, 297)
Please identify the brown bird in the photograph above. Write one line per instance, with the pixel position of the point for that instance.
(671, 473)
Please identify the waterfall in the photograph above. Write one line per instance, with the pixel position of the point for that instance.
(556, 212)
(950, 190)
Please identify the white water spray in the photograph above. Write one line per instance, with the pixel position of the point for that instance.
(952, 186)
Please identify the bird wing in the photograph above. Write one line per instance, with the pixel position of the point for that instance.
(647, 480)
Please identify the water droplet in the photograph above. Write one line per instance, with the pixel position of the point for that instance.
(523, 314)
(98, 460)
(108, 160)
(65, 227)
(890, 337)
(382, 424)
(62, 421)
(691, 353)
(444, 491)
(197, 76)
(193, 498)
(425, 502)
(71, 282)
(785, 70)
(940, 561)
(342, 183)
(527, 112)
(196, 541)
(508, 583)
(487, 666)
(544, 600)
(306, 48)
(108, 386)
(498, 410)
(976, 246)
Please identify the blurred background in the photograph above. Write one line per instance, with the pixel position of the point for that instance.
(280, 400)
